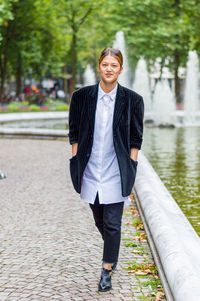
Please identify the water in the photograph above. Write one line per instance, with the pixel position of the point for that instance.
(191, 95)
(163, 104)
(119, 43)
(89, 76)
(141, 84)
(175, 156)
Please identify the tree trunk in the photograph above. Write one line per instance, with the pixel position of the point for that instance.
(4, 57)
(3, 77)
(176, 78)
(19, 75)
(74, 60)
(65, 83)
(3, 70)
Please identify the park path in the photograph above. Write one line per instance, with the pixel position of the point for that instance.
(50, 248)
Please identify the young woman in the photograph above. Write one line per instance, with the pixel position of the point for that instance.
(105, 131)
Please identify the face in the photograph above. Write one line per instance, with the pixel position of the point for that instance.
(109, 69)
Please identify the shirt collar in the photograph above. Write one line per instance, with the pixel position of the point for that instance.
(112, 93)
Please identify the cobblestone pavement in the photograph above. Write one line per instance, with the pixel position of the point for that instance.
(50, 248)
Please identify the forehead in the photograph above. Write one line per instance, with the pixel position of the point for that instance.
(110, 59)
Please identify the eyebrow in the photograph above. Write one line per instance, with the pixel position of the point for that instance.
(113, 63)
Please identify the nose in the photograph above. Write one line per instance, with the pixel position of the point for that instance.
(108, 67)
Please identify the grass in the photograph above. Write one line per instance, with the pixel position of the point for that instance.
(131, 244)
(136, 221)
(154, 283)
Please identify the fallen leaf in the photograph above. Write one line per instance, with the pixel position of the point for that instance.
(142, 236)
(159, 296)
(141, 273)
(136, 251)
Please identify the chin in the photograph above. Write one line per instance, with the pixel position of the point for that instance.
(109, 80)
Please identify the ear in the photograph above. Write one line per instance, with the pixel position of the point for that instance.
(121, 69)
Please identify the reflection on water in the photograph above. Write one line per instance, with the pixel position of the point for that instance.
(175, 155)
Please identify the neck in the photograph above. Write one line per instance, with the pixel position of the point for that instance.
(107, 87)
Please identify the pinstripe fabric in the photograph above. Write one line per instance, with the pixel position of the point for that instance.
(127, 132)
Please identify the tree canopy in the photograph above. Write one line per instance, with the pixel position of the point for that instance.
(63, 36)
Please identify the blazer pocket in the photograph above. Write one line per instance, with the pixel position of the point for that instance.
(74, 172)
(134, 170)
(135, 163)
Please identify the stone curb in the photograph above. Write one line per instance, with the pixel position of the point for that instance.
(33, 132)
(32, 116)
(176, 242)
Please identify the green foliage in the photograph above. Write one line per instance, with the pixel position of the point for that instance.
(61, 107)
(41, 36)
(34, 108)
(136, 221)
(131, 244)
(5, 12)
(12, 107)
(154, 283)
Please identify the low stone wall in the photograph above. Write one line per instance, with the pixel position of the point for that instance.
(176, 242)
(33, 132)
(13, 117)
(32, 116)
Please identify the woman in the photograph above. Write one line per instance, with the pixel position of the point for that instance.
(105, 131)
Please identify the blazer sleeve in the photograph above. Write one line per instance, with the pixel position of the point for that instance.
(136, 126)
(74, 118)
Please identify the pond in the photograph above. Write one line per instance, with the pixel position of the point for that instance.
(175, 156)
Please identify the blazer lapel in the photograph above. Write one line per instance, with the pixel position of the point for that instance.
(92, 103)
(119, 104)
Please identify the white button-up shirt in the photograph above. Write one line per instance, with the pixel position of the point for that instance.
(102, 173)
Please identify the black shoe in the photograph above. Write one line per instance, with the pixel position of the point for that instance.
(105, 282)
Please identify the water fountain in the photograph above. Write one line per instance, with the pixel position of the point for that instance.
(191, 95)
(163, 109)
(141, 85)
(119, 43)
(89, 76)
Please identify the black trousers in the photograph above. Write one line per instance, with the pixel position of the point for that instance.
(108, 221)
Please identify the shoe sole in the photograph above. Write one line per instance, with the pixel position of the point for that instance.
(106, 290)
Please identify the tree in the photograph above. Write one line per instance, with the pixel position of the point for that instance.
(34, 39)
(97, 34)
(78, 14)
(156, 28)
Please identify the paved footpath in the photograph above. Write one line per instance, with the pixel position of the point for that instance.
(50, 248)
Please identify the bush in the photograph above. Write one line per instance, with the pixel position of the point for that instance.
(24, 103)
(61, 107)
(34, 108)
(13, 107)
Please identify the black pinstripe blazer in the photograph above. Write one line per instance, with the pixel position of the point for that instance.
(127, 132)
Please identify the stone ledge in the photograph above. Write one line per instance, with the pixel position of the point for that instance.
(8, 117)
(176, 242)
